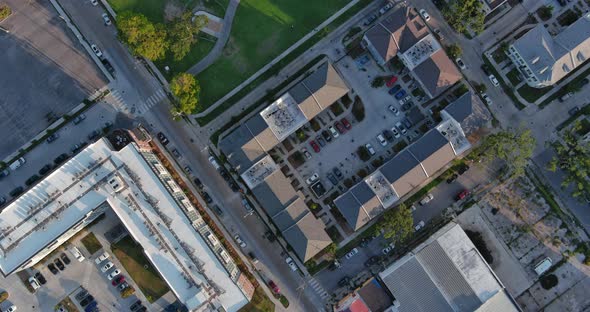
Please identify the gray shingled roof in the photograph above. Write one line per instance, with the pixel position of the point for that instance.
(241, 149)
(307, 237)
(428, 144)
(461, 108)
(275, 193)
(398, 166)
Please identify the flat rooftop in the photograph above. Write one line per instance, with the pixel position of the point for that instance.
(150, 205)
(283, 116)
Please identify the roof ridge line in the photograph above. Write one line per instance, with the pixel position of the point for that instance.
(419, 162)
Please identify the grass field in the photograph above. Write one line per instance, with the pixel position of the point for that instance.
(197, 52)
(91, 243)
(259, 303)
(148, 280)
(261, 30)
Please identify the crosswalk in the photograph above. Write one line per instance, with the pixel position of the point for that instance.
(318, 288)
(119, 102)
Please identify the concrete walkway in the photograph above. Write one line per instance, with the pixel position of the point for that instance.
(221, 39)
(273, 62)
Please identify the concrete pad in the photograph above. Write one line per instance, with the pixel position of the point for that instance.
(214, 25)
(527, 303)
(568, 275)
(575, 299)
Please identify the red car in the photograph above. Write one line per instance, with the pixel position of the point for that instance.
(346, 124)
(274, 287)
(340, 127)
(463, 194)
(391, 81)
(118, 280)
(315, 146)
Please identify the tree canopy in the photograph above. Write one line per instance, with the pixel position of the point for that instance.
(142, 36)
(186, 88)
(454, 50)
(397, 224)
(462, 14)
(573, 158)
(183, 33)
(514, 147)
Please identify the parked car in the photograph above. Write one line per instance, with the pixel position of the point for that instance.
(162, 138)
(344, 281)
(401, 127)
(113, 274)
(106, 19)
(424, 15)
(462, 194)
(61, 158)
(81, 294)
(394, 110)
(4, 173)
(391, 81)
(122, 286)
(332, 178)
(419, 226)
(52, 138)
(64, 258)
(16, 191)
(136, 305)
(94, 2)
(108, 66)
(118, 280)
(45, 169)
(351, 253)
(400, 94)
(314, 177)
(10, 308)
(370, 149)
(40, 278)
(388, 249)
(315, 146)
(337, 172)
(77, 254)
(394, 89)
(395, 132)
(426, 199)
(217, 210)
(460, 63)
(341, 129)
(240, 241)
(79, 119)
(176, 153)
(381, 140)
(321, 141)
(274, 287)
(34, 283)
(59, 264)
(438, 34)
(346, 124)
(388, 135)
(486, 98)
(96, 50)
(31, 180)
(371, 261)
(291, 264)
(107, 267)
(494, 80)
(306, 153)
(102, 258)
(327, 135)
(407, 106)
(198, 182)
(452, 178)
(52, 269)
(207, 198)
(565, 96)
(88, 299)
(333, 132)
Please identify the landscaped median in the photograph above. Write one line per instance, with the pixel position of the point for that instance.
(91, 243)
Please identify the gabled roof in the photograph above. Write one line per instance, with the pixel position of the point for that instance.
(461, 108)
(437, 73)
(307, 237)
(397, 32)
(319, 90)
(275, 193)
(433, 151)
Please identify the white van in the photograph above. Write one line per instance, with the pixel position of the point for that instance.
(543, 266)
(214, 162)
(17, 163)
(77, 254)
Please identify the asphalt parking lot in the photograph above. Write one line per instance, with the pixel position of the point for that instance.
(44, 71)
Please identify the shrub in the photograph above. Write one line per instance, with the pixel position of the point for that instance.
(3, 296)
(127, 292)
(358, 109)
(363, 153)
(549, 281)
(378, 82)
(5, 11)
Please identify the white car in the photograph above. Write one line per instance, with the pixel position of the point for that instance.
(106, 19)
(107, 267)
(34, 283)
(94, 2)
(394, 110)
(494, 80)
(419, 226)
(77, 254)
(113, 274)
(96, 50)
(312, 179)
(102, 258)
(306, 153)
(370, 149)
(333, 132)
(426, 199)
(405, 100)
(395, 132)
(401, 127)
(240, 241)
(291, 264)
(11, 308)
(381, 140)
(486, 98)
(424, 14)
(351, 253)
(459, 62)
(388, 249)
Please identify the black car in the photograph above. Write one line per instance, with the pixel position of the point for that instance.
(142, 309)
(81, 294)
(88, 299)
(52, 138)
(462, 169)
(344, 281)
(234, 186)
(93, 135)
(198, 183)
(407, 122)
(40, 278)
(332, 178)
(2, 200)
(371, 261)
(388, 135)
(163, 139)
(61, 158)
(65, 258)
(407, 106)
(4, 173)
(44, 170)
(34, 178)
(452, 178)
(108, 66)
(225, 175)
(326, 135)
(337, 172)
(135, 305)
(52, 269)
(217, 210)
(207, 198)
(59, 264)
(17, 191)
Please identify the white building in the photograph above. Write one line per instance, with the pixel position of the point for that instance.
(134, 184)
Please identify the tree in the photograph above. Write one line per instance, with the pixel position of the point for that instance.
(479, 87)
(183, 33)
(5, 11)
(378, 81)
(142, 36)
(545, 12)
(514, 147)
(462, 14)
(504, 46)
(186, 89)
(397, 224)
(574, 159)
(331, 249)
(454, 50)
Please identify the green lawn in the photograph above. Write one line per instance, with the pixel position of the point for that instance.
(513, 76)
(148, 280)
(261, 30)
(91, 243)
(259, 303)
(532, 94)
(197, 52)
